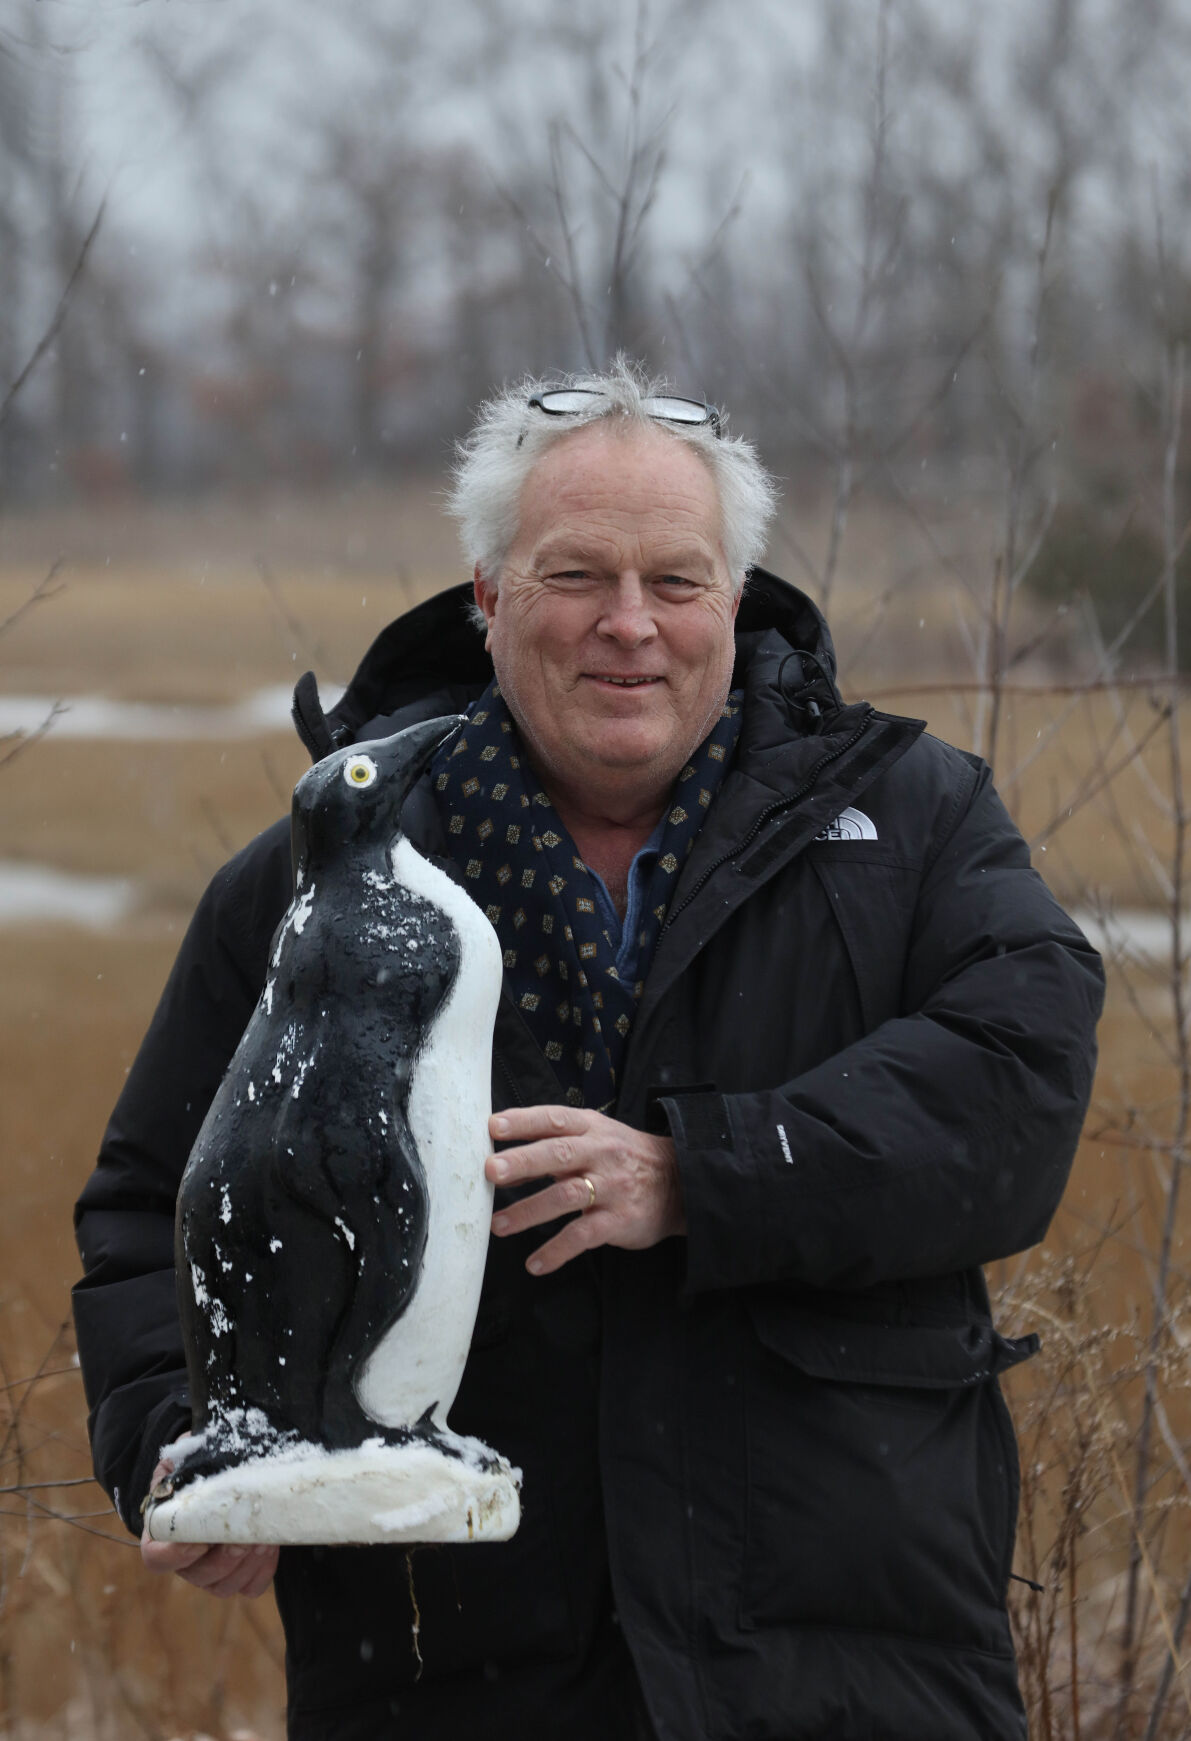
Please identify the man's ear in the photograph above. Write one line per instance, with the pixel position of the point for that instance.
(484, 593)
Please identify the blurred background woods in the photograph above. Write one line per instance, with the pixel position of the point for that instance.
(258, 261)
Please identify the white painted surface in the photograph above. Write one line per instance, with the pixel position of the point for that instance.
(420, 1362)
(378, 1493)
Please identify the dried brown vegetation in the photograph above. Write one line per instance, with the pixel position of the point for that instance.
(88, 1646)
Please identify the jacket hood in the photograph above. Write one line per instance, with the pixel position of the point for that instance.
(433, 655)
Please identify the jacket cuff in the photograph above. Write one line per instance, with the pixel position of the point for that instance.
(719, 1191)
(169, 1421)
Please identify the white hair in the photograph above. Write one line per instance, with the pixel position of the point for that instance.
(509, 437)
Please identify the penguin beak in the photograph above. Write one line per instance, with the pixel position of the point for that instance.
(406, 753)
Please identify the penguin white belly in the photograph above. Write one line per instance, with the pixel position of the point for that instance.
(419, 1363)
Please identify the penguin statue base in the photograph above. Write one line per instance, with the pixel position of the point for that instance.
(440, 1489)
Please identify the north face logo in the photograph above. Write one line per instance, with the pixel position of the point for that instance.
(850, 825)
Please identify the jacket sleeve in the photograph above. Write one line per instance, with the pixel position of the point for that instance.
(943, 1138)
(125, 1308)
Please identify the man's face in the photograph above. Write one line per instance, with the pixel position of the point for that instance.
(612, 630)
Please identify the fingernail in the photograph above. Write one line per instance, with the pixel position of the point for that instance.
(498, 1126)
(497, 1169)
(534, 1266)
(499, 1224)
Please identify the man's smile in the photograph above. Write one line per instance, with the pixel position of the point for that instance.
(620, 682)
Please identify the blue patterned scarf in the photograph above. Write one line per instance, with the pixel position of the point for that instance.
(522, 868)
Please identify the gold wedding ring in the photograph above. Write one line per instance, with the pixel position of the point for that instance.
(590, 1204)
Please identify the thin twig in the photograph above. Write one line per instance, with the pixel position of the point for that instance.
(52, 330)
(571, 279)
(38, 1376)
(1097, 781)
(45, 589)
(1009, 569)
(309, 645)
(23, 740)
(72, 1481)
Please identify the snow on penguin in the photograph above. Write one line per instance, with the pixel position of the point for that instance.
(333, 1217)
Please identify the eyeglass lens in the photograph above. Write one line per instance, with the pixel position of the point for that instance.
(680, 410)
(572, 401)
(565, 402)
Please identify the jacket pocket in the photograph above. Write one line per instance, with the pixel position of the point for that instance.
(882, 1477)
(871, 895)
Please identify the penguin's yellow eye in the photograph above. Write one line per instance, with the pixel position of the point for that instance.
(359, 771)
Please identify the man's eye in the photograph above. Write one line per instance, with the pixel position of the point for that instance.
(678, 580)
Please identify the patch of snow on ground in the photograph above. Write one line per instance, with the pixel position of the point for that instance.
(32, 894)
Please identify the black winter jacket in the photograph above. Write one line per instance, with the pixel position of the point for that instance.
(771, 1457)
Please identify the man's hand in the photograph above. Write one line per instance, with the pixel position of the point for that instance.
(634, 1177)
(223, 1571)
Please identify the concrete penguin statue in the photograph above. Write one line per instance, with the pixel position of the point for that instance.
(333, 1217)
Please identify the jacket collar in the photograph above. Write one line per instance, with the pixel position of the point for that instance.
(433, 650)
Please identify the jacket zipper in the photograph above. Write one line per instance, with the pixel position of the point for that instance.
(770, 811)
(507, 1078)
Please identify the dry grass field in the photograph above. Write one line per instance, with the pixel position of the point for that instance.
(169, 607)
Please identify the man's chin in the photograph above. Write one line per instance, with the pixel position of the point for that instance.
(624, 752)
(633, 764)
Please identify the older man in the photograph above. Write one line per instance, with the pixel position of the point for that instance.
(792, 1041)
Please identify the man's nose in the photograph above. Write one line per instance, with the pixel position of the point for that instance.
(627, 616)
